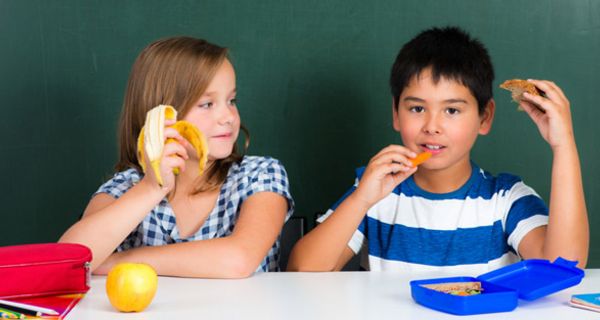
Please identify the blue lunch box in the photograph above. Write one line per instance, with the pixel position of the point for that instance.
(501, 288)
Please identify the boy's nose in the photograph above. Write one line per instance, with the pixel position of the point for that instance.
(432, 125)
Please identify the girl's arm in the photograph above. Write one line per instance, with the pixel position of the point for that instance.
(567, 233)
(107, 221)
(236, 256)
(325, 248)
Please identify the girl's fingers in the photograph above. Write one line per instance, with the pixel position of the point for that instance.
(175, 149)
(171, 133)
(174, 162)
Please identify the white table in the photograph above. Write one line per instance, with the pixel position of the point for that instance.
(307, 296)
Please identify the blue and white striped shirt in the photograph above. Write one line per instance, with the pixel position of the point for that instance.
(474, 229)
(252, 175)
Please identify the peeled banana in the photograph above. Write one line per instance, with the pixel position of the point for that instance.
(152, 139)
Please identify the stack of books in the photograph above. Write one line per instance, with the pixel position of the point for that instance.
(48, 307)
(588, 301)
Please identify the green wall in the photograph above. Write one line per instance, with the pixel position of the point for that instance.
(312, 83)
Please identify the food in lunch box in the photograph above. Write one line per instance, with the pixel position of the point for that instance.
(457, 288)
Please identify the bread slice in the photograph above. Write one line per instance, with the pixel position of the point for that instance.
(517, 87)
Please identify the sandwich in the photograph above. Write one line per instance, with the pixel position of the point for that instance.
(517, 87)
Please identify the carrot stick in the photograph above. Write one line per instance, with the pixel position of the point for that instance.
(420, 158)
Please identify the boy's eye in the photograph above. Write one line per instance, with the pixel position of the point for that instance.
(452, 111)
(416, 109)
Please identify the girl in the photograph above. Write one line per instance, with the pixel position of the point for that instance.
(221, 224)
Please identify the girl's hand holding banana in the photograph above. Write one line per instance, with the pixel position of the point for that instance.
(162, 142)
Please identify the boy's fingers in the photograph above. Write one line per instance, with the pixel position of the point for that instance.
(393, 168)
(401, 175)
(392, 157)
(552, 91)
(539, 101)
(396, 148)
(533, 111)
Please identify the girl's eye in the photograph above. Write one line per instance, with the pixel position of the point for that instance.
(206, 105)
(416, 109)
(233, 102)
(452, 111)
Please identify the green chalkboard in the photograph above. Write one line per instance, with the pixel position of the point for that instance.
(312, 83)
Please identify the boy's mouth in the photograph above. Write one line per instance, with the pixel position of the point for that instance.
(433, 148)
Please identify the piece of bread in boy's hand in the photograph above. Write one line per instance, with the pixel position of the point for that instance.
(517, 87)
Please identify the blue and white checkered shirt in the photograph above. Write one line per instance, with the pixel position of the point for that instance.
(254, 174)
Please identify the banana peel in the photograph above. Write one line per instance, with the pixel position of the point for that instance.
(151, 140)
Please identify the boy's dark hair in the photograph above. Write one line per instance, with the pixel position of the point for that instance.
(451, 53)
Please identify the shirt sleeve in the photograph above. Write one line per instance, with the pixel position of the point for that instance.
(270, 176)
(527, 212)
(116, 187)
(358, 239)
(119, 183)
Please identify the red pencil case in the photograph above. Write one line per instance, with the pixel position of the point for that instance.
(44, 269)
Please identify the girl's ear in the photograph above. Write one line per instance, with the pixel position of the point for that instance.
(395, 120)
(487, 117)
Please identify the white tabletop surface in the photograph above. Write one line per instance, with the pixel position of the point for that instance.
(333, 295)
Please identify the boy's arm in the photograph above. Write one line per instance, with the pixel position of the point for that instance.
(325, 248)
(567, 233)
(236, 256)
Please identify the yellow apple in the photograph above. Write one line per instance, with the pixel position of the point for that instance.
(131, 286)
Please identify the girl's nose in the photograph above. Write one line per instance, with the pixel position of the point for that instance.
(227, 115)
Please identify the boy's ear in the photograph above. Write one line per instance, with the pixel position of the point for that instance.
(487, 117)
(395, 121)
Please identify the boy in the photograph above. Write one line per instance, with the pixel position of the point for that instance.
(447, 213)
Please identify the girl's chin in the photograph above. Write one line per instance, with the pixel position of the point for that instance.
(214, 157)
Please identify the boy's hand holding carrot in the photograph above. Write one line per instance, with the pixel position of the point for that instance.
(385, 171)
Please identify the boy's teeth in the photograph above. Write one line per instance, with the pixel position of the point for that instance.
(432, 147)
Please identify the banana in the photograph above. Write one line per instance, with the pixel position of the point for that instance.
(152, 139)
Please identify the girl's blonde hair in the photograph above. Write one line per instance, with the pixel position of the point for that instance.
(174, 71)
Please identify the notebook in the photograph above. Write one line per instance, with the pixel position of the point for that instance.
(61, 304)
(588, 301)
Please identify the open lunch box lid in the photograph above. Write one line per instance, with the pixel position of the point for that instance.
(501, 288)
